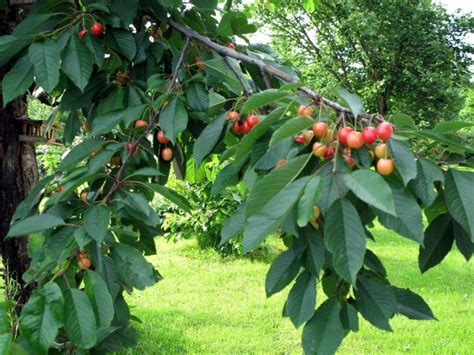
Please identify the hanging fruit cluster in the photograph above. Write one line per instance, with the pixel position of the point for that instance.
(348, 139)
(242, 127)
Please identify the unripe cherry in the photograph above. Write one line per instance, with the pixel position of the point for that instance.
(167, 154)
(305, 110)
(381, 151)
(349, 161)
(84, 263)
(141, 123)
(84, 196)
(343, 133)
(319, 128)
(199, 63)
(385, 166)
(233, 116)
(316, 212)
(369, 135)
(308, 136)
(319, 149)
(355, 140)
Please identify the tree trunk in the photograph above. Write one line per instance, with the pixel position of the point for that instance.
(18, 175)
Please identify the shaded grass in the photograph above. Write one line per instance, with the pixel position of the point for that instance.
(206, 304)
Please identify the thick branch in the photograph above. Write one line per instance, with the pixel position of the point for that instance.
(228, 52)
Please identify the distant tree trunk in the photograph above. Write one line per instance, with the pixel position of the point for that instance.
(18, 174)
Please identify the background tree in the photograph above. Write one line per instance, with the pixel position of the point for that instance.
(400, 56)
(149, 88)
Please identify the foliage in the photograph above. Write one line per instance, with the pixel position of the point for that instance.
(91, 236)
(208, 214)
(400, 56)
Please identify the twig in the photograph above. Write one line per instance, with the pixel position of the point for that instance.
(238, 74)
(150, 126)
(269, 69)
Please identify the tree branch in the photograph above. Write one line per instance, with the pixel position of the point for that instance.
(269, 69)
(247, 89)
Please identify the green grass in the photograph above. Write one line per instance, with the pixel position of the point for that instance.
(206, 304)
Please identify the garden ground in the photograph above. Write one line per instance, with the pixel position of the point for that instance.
(206, 304)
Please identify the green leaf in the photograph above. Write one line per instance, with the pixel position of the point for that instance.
(439, 240)
(174, 119)
(401, 120)
(105, 123)
(316, 252)
(197, 97)
(42, 316)
(133, 113)
(376, 302)
(17, 80)
(219, 69)
(248, 142)
(233, 225)
(349, 318)
(96, 222)
(408, 220)
(404, 160)
(371, 188)
(282, 271)
(272, 215)
(442, 138)
(122, 41)
(6, 342)
(312, 192)
(205, 5)
(79, 319)
(133, 267)
(423, 185)
(411, 305)
(344, 237)
(464, 244)
(125, 9)
(77, 62)
(374, 264)
(452, 126)
(80, 152)
(173, 196)
(333, 187)
(302, 299)
(272, 183)
(290, 128)
(263, 98)
(45, 57)
(27, 205)
(72, 127)
(35, 224)
(459, 192)
(324, 332)
(208, 139)
(100, 160)
(353, 100)
(100, 298)
(96, 49)
(147, 171)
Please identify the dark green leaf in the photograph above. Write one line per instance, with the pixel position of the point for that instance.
(96, 222)
(371, 188)
(353, 100)
(324, 332)
(233, 225)
(35, 224)
(439, 239)
(349, 318)
(263, 98)
(344, 237)
(401, 120)
(122, 41)
(452, 126)
(197, 97)
(77, 62)
(100, 298)
(459, 192)
(174, 119)
(17, 80)
(45, 57)
(376, 302)
(283, 270)
(411, 305)
(463, 242)
(80, 152)
(108, 121)
(306, 205)
(290, 128)
(302, 299)
(171, 195)
(208, 139)
(404, 160)
(423, 185)
(79, 319)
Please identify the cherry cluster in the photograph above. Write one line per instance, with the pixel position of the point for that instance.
(348, 139)
(242, 127)
(97, 29)
(166, 152)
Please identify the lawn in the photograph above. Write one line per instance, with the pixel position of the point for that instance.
(206, 304)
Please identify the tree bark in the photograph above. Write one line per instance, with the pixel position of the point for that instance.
(18, 175)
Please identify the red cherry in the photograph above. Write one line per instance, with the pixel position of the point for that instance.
(343, 133)
(230, 45)
(329, 152)
(160, 136)
(384, 131)
(369, 135)
(355, 140)
(97, 29)
(82, 33)
(280, 163)
(252, 120)
(245, 128)
(320, 128)
(299, 139)
(237, 128)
